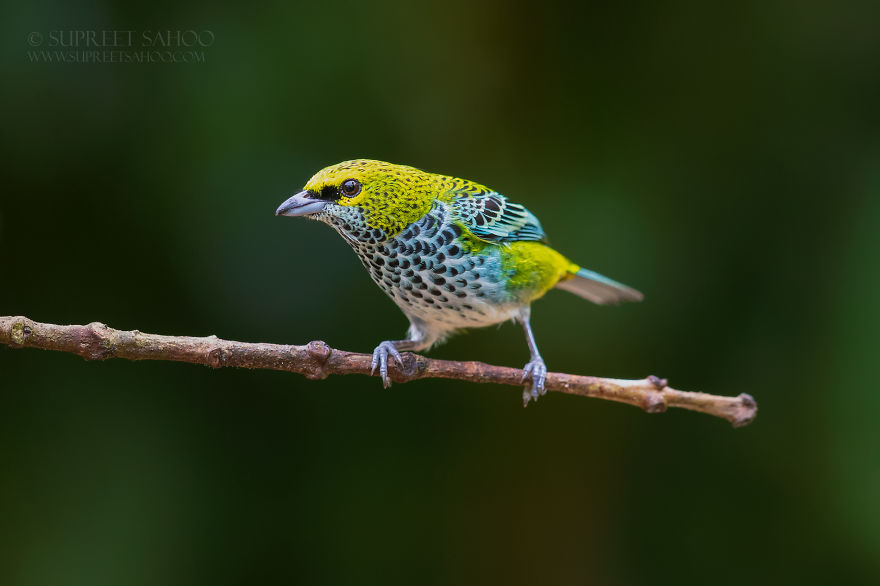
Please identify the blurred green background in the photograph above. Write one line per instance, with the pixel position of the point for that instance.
(722, 158)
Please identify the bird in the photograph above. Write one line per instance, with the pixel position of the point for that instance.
(451, 253)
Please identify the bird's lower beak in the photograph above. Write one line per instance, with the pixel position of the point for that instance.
(300, 205)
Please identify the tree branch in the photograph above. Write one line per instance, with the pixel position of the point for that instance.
(316, 360)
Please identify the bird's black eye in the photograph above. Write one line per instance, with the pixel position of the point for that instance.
(351, 187)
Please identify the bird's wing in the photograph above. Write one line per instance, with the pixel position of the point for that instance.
(492, 217)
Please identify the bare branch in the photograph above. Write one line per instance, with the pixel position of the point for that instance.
(316, 360)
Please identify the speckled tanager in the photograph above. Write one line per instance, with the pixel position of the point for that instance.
(451, 253)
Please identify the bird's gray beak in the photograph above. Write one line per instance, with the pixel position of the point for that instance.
(300, 204)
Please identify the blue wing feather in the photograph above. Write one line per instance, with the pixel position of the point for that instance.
(492, 217)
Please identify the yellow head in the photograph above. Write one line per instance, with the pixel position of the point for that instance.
(380, 196)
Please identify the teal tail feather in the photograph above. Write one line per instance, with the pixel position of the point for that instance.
(598, 288)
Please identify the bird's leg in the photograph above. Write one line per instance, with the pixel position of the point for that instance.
(415, 342)
(535, 371)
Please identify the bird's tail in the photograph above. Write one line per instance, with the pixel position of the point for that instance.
(597, 288)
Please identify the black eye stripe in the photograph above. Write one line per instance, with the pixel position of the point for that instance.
(348, 188)
(329, 193)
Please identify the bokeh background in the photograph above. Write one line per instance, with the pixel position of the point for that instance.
(721, 158)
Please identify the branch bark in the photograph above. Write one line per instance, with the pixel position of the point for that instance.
(316, 360)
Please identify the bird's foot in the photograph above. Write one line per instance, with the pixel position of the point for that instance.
(380, 360)
(534, 376)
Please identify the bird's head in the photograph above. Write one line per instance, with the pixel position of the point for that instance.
(365, 199)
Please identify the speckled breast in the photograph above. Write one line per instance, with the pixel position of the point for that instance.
(434, 275)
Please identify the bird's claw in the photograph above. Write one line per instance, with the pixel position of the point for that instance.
(534, 376)
(380, 360)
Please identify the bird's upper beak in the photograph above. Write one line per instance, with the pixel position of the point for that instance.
(300, 204)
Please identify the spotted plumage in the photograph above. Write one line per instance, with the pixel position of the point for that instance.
(451, 253)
